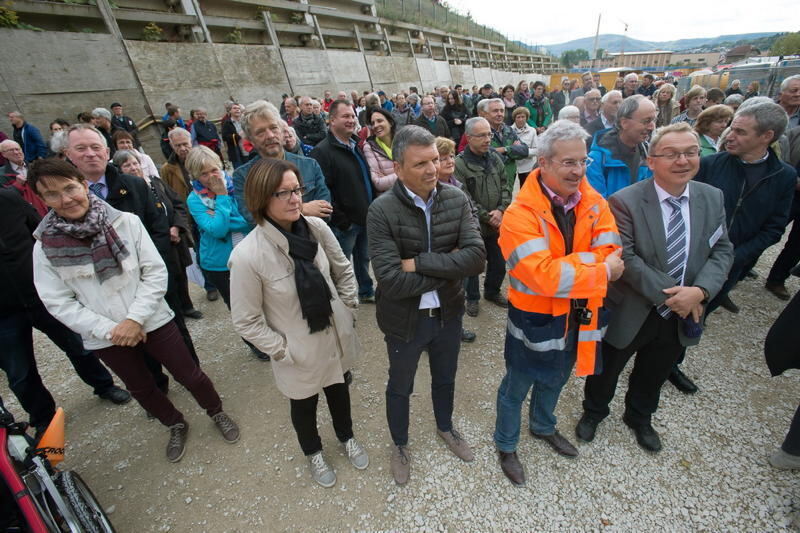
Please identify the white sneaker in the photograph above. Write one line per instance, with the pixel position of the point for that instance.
(357, 454)
(321, 471)
(784, 461)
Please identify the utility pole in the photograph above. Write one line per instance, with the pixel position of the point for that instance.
(596, 35)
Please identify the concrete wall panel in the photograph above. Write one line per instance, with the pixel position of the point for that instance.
(442, 70)
(405, 69)
(252, 72)
(483, 76)
(309, 70)
(381, 68)
(348, 67)
(462, 74)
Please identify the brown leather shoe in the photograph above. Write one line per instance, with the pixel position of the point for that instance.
(512, 468)
(457, 445)
(778, 289)
(559, 443)
(400, 465)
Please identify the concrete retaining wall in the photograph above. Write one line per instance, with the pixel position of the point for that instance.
(47, 75)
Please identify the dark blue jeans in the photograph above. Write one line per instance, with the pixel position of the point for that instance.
(353, 241)
(18, 361)
(442, 342)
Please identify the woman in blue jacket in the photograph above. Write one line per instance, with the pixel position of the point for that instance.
(214, 210)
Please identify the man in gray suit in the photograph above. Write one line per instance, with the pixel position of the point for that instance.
(677, 256)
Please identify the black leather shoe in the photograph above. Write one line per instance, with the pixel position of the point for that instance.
(795, 271)
(473, 307)
(116, 395)
(586, 428)
(467, 335)
(778, 289)
(497, 299)
(727, 304)
(212, 295)
(646, 436)
(559, 443)
(682, 381)
(192, 313)
(512, 468)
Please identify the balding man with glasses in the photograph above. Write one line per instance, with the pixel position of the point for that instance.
(677, 255)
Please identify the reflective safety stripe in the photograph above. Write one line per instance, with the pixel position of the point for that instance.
(565, 281)
(596, 208)
(545, 230)
(592, 334)
(524, 250)
(543, 346)
(518, 286)
(587, 258)
(608, 237)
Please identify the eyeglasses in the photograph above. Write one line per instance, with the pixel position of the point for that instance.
(576, 163)
(481, 136)
(674, 156)
(73, 191)
(592, 99)
(285, 195)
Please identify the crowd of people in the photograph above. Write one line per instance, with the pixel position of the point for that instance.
(621, 218)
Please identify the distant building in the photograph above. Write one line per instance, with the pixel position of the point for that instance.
(653, 60)
(739, 53)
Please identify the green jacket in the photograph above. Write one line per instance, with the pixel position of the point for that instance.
(505, 138)
(488, 190)
(706, 148)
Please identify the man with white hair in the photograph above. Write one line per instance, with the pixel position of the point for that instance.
(571, 113)
(15, 175)
(562, 248)
(591, 108)
(630, 84)
(101, 119)
(789, 99)
(28, 137)
(609, 105)
(309, 127)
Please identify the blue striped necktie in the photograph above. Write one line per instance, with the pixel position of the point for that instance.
(97, 188)
(676, 248)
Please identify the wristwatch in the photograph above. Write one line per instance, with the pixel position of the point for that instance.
(706, 295)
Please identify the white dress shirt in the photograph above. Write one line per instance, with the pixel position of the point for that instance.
(430, 299)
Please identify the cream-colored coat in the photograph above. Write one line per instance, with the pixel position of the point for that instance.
(266, 310)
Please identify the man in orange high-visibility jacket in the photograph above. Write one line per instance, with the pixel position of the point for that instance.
(562, 249)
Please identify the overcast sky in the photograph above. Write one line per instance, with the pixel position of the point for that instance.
(550, 22)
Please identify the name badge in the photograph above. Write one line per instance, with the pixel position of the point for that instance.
(715, 237)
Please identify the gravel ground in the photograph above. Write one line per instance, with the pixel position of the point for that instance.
(711, 476)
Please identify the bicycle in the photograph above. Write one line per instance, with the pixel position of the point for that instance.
(48, 499)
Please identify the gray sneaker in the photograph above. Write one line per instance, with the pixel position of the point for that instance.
(784, 461)
(401, 465)
(226, 426)
(357, 454)
(176, 446)
(457, 444)
(321, 471)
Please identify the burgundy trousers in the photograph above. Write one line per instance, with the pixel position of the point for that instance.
(165, 345)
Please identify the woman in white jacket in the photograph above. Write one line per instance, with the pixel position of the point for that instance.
(293, 293)
(527, 136)
(97, 271)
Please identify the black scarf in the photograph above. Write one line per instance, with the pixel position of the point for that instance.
(312, 289)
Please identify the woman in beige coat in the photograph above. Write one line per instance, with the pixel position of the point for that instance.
(293, 295)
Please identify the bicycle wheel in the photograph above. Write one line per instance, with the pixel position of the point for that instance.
(86, 507)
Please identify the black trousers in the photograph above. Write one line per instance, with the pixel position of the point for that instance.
(442, 340)
(495, 265)
(790, 255)
(304, 417)
(18, 362)
(657, 348)
(222, 282)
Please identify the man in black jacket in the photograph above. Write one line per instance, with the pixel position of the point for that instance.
(423, 242)
(21, 310)
(348, 179)
(758, 189)
(309, 127)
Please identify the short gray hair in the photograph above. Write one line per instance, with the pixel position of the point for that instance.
(767, 114)
(469, 127)
(785, 83)
(81, 126)
(561, 130)
(98, 112)
(568, 112)
(631, 76)
(410, 136)
(122, 156)
(628, 107)
(483, 105)
(58, 142)
(609, 94)
(679, 127)
(260, 109)
(734, 99)
(178, 132)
